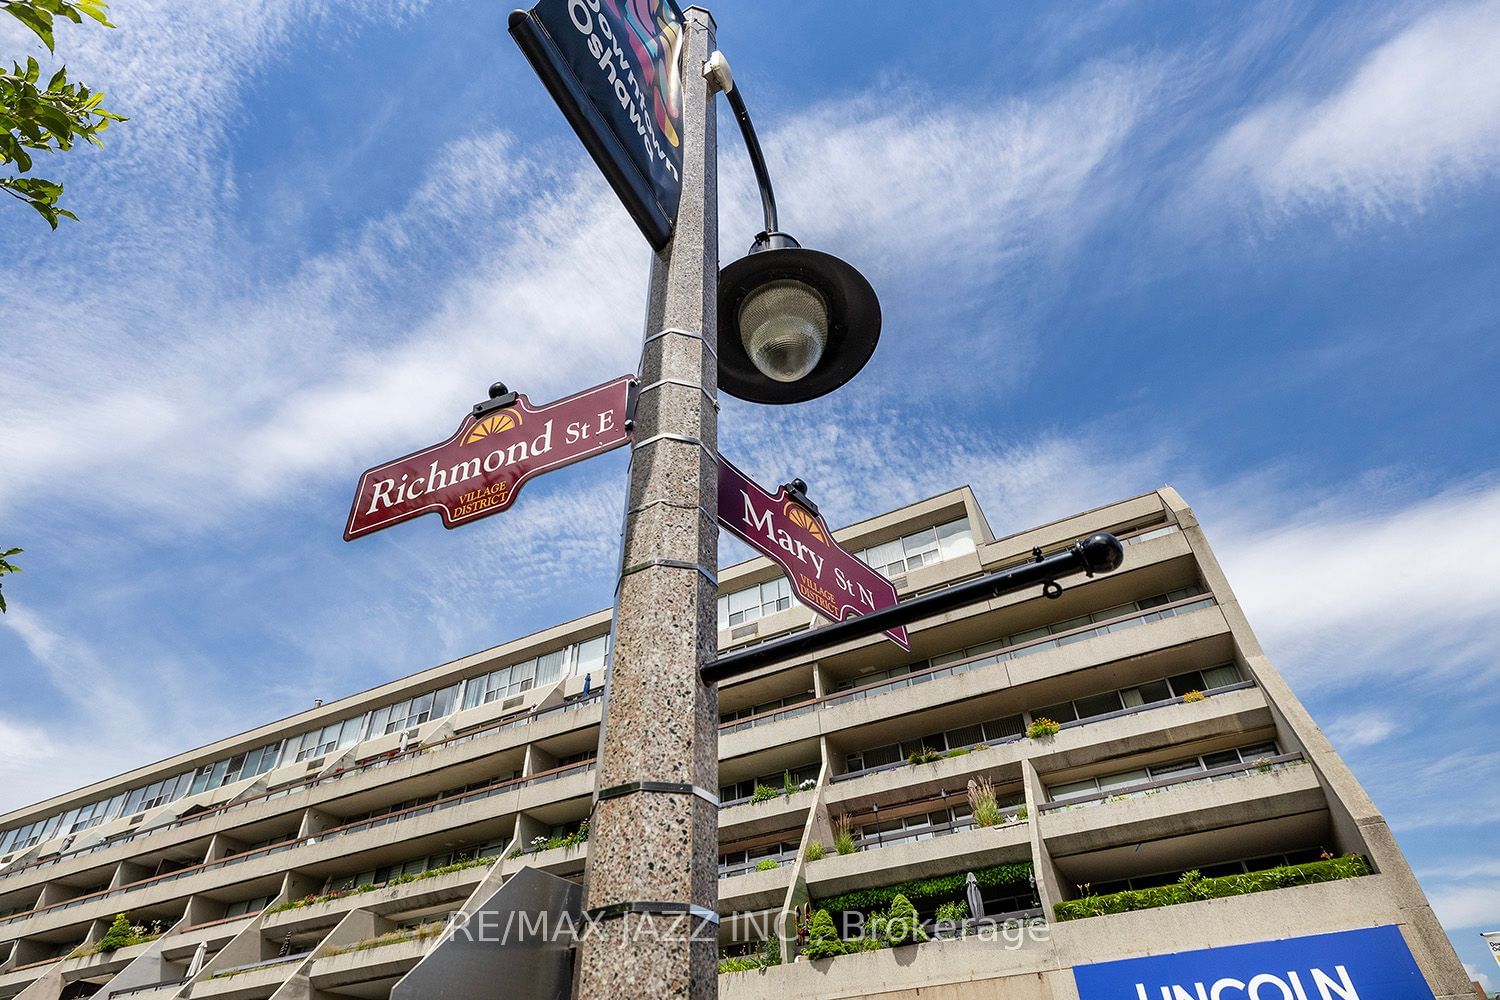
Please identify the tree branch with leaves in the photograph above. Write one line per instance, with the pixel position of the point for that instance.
(50, 118)
(6, 566)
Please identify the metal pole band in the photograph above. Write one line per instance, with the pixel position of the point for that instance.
(682, 382)
(673, 503)
(660, 908)
(670, 564)
(659, 787)
(679, 438)
(684, 333)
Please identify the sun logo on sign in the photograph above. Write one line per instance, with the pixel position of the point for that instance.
(807, 522)
(495, 423)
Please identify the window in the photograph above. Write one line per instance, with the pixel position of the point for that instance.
(751, 603)
(745, 789)
(920, 548)
(334, 736)
(587, 657)
(1008, 727)
(244, 906)
(1156, 772)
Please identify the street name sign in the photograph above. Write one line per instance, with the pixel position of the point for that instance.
(824, 577)
(480, 469)
(613, 67)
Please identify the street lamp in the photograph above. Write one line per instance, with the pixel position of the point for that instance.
(794, 324)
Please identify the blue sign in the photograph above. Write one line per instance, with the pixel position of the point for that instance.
(1369, 964)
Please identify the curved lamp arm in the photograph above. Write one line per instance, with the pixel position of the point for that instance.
(717, 70)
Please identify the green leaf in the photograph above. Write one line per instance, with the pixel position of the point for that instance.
(39, 21)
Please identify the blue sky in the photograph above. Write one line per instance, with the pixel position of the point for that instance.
(1247, 249)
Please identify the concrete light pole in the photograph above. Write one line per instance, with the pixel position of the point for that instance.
(652, 870)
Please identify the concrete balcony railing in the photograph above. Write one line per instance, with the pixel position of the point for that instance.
(1231, 796)
(745, 818)
(247, 982)
(368, 964)
(179, 945)
(755, 890)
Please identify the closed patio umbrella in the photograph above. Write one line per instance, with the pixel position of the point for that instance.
(976, 901)
(197, 963)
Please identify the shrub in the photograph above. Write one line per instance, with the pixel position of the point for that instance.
(815, 851)
(1022, 814)
(982, 802)
(843, 836)
(767, 865)
(118, 935)
(742, 963)
(926, 755)
(1193, 886)
(768, 955)
(121, 934)
(788, 786)
(901, 924)
(1194, 696)
(764, 793)
(822, 938)
(1042, 727)
(941, 887)
(957, 752)
(1264, 765)
(955, 912)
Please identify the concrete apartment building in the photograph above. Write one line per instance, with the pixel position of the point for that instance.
(382, 814)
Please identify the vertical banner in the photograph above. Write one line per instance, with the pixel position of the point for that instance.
(1492, 938)
(613, 68)
(823, 575)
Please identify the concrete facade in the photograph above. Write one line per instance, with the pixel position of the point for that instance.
(426, 811)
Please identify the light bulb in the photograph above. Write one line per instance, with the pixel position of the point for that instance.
(784, 325)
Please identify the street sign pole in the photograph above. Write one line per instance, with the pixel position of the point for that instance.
(652, 875)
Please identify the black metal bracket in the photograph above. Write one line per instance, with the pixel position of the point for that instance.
(797, 490)
(1098, 553)
(500, 398)
(659, 908)
(632, 398)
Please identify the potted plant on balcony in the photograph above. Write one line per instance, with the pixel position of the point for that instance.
(1042, 727)
(823, 938)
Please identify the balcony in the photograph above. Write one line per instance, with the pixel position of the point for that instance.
(371, 961)
(420, 893)
(552, 720)
(941, 854)
(1230, 797)
(512, 789)
(748, 889)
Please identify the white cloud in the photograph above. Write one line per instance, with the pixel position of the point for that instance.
(1419, 115)
(1361, 729)
(1460, 906)
(1335, 591)
(218, 395)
